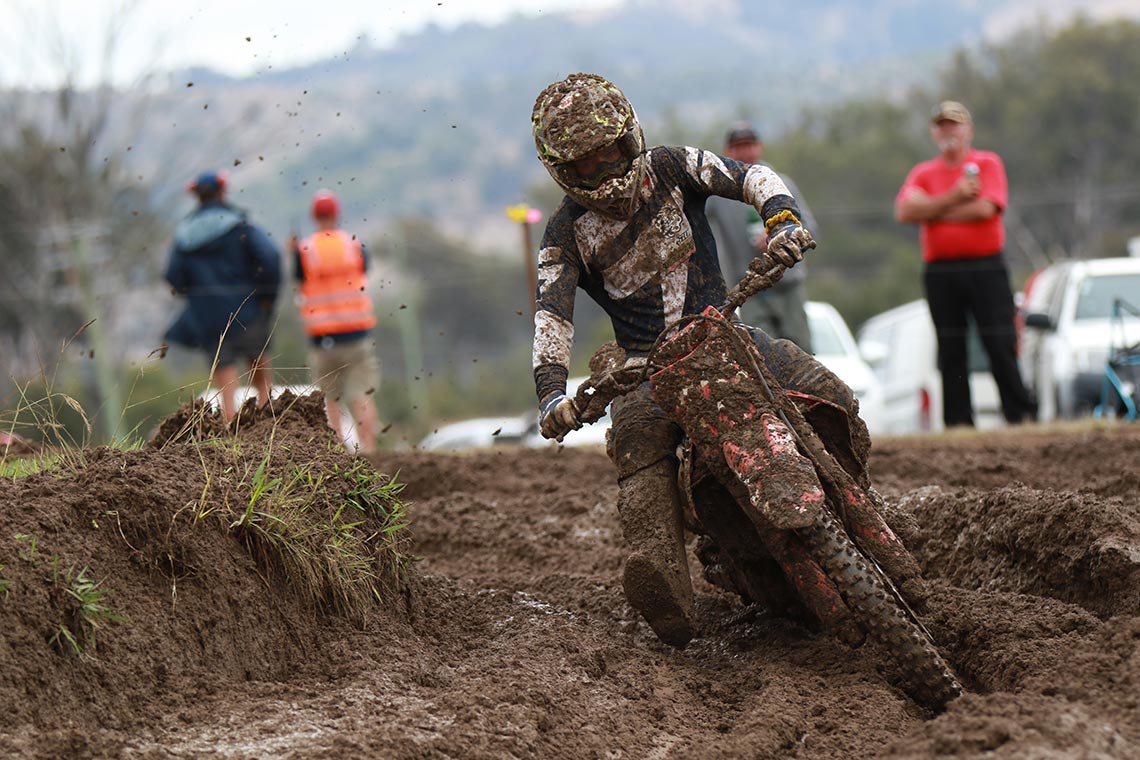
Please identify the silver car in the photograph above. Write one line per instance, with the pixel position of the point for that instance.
(1069, 331)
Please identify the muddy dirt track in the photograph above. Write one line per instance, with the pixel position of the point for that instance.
(514, 640)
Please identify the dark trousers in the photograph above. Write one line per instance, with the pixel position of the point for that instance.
(978, 288)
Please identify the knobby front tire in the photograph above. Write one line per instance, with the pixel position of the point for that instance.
(928, 678)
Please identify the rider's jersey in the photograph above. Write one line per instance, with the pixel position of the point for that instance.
(650, 271)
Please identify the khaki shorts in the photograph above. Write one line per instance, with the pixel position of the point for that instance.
(346, 372)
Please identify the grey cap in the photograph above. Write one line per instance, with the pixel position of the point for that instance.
(741, 131)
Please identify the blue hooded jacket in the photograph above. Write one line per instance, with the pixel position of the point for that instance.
(227, 268)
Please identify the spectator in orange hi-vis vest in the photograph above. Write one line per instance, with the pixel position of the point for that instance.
(331, 268)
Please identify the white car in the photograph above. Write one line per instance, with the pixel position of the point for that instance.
(479, 433)
(901, 348)
(213, 397)
(244, 393)
(835, 348)
(593, 434)
(1069, 331)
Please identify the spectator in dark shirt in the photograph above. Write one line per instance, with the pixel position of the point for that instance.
(230, 272)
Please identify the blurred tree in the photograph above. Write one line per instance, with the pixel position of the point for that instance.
(451, 314)
(75, 232)
(1060, 107)
(848, 162)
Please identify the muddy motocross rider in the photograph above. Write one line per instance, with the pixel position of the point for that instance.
(632, 233)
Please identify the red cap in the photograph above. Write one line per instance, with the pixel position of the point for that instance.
(325, 205)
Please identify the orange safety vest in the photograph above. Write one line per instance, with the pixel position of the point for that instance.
(334, 299)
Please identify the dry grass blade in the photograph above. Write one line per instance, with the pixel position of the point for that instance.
(78, 409)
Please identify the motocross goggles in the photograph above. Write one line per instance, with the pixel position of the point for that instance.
(608, 162)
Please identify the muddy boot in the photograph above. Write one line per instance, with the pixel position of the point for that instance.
(656, 575)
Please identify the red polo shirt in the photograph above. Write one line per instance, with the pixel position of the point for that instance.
(947, 241)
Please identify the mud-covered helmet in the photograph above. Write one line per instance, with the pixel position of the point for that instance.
(583, 115)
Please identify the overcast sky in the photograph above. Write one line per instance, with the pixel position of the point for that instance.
(41, 38)
(38, 36)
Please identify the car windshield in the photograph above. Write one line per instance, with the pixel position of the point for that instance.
(825, 339)
(1097, 294)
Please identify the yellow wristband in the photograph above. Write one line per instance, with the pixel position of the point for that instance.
(780, 218)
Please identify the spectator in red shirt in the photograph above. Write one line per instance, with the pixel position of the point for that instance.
(957, 199)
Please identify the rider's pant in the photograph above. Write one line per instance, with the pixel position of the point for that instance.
(656, 574)
(799, 371)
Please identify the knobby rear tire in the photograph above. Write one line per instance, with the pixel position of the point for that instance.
(928, 678)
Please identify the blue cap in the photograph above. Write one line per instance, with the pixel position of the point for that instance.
(208, 183)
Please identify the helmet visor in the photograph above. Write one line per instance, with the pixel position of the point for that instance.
(605, 163)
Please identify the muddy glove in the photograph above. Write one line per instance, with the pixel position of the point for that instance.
(557, 416)
(788, 243)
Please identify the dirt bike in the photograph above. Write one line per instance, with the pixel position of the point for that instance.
(784, 519)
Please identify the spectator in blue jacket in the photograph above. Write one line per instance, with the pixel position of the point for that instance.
(230, 272)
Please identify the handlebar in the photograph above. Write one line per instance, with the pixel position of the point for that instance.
(612, 374)
(596, 393)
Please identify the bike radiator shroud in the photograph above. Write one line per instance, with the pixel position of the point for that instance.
(726, 410)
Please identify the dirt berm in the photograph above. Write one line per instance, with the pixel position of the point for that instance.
(510, 637)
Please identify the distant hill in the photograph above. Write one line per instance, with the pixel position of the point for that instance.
(437, 125)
